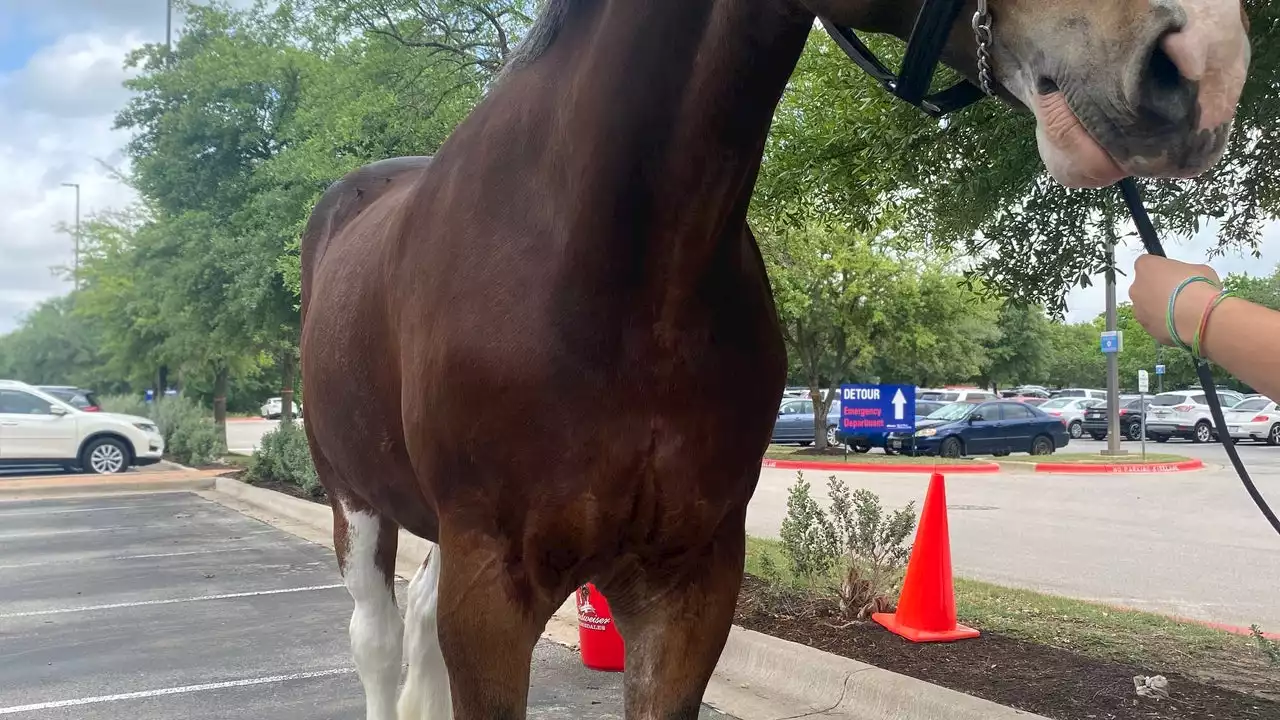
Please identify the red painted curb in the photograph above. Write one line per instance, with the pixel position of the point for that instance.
(879, 467)
(1122, 469)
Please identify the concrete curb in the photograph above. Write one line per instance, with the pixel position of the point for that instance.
(1119, 469)
(950, 469)
(69, 485)
(759, 677)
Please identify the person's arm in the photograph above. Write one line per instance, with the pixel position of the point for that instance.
(1242, 337)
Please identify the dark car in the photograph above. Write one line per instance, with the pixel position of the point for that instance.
(864, 440)
(795, 422)
(995, 428)
(78, 398)
(1095, 419)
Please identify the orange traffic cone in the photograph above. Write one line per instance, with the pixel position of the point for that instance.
(927, 605)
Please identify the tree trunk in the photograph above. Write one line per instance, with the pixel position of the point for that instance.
(220, 402)
(162, 380)
(287, 370)
(819, 414)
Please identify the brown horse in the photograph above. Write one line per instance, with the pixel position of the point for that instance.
(552, 349)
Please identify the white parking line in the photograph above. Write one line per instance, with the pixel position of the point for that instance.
(15, 709)
(145, 603)
(117, 558)
(38, 512)
(25, 534)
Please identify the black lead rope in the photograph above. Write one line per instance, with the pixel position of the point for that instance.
(1151, 241)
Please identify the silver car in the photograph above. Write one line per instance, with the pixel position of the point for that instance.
(1256, 418)
(1185, 414)
(1071, 411)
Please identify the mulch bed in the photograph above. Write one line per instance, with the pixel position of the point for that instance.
(1036, 678)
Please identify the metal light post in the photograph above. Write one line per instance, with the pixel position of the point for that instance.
(168, 28)
(75, 267)
(1113, 360)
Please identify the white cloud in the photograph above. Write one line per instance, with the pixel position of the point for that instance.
(56, 113)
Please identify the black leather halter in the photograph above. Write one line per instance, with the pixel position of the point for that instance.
(924, 48)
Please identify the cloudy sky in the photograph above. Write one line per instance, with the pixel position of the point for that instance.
(61, 67)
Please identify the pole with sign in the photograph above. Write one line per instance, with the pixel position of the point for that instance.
(1112, 343)
(1144, 387)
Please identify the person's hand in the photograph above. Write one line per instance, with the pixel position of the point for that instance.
(1154, 280)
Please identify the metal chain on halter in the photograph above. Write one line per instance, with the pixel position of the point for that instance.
(982, 31)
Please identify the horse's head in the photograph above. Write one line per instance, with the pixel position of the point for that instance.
(1118, 87)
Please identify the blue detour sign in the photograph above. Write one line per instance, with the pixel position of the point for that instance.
(872, 409)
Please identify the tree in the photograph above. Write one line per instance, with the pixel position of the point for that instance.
(842, 150)
(852, 311)
(1019, 351)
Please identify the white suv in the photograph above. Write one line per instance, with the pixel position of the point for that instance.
(1185, 414)
(37, 428)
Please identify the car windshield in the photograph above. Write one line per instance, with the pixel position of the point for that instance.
(1167, 400)
(1253, 404)
(1057, 403)
(954, 411)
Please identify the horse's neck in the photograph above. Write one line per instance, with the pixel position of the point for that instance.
(657, 112)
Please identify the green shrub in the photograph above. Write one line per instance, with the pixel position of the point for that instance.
(808, 537)
(190, 437)
(284, 456)
(126, 405)
(856, 547)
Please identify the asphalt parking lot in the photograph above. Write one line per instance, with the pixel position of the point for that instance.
(169, 605)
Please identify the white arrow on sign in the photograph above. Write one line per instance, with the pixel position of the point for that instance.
(899, 405)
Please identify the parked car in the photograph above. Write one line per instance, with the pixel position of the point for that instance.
(1183, 414)
(1229, 398)
(274, 407)
(998, 428)
(38, 429)
(795, 422)
(926, 407)
(1255, 418)
(1032, 400)
(1079, 393)
(970, 395)
(1131, 409)
(80, 398)
(1071, 411)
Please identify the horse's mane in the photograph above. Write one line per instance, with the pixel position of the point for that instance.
(551, 19)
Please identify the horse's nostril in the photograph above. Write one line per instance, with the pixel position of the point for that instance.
(1163, 90)
(1161, 70)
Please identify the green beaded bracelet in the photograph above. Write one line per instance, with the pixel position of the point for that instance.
(1173, 299)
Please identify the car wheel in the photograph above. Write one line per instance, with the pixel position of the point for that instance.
(1204, 432)
(1098, 436)
(1273, 437)
(832, 440)
(1135, 431)
(1076, 429)
(951, 448)
(105, 456)
(1042, 445)
(861, 448)
(1160, 438)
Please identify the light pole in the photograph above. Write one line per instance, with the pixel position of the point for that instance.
(168, 29)
(75, 267)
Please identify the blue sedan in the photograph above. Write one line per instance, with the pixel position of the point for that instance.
(990, 428)
(795, 422)
(864, 440)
